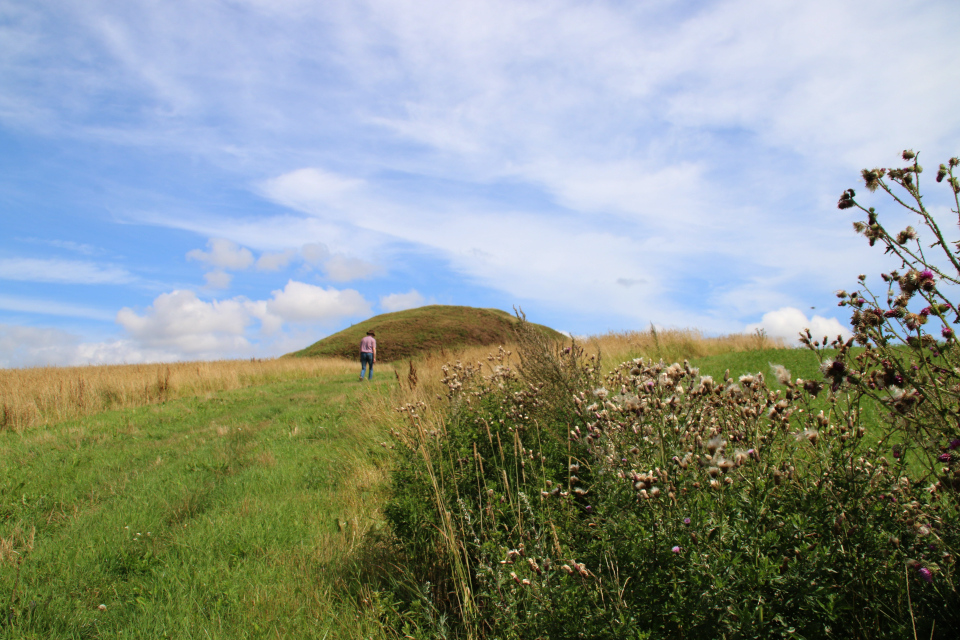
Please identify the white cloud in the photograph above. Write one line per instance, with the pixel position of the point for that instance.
(275, 261)
(217, 279)
(61, 271)
(223, 254)
(401, 301)
(181, 322)
(300, 302)
(51, 308)
(41, 346)
(315, 253)
(787, 323)
(310, 187)
(341, 268)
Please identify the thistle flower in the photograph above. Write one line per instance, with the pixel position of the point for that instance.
(944, 457)
(925, 574)
(781, 373)
(954, 444)
(676, 549)
(906, 235)
(846, 199)
(686, 521)
(715, 443)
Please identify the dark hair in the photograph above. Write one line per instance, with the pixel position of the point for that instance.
(371, 333)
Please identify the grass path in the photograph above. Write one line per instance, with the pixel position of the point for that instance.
(233, 516)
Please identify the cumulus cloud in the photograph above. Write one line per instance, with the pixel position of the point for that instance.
(301, 302)
(217, 279)
(788, 322)
(401, 301)
(275, 261)
(181, 322)
(42, 346)
(62, 271)
(342, 268)
(223, 254)
(315, 253)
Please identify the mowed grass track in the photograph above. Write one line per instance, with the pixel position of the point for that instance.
(239, 515)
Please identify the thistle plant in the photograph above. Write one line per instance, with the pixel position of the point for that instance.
(909, 358)
(653, 501)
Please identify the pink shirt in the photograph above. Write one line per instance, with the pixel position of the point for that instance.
(368, 344)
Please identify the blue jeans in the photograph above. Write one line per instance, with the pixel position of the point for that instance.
(366, 359)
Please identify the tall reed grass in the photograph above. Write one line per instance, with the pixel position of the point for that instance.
(46, 395)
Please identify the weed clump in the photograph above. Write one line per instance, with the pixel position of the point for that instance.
(550, 500)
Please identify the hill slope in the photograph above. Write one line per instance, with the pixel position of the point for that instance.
(405, 334)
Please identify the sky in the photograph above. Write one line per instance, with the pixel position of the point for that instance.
(209, 179)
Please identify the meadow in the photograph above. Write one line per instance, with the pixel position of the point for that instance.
(655, 484)
(228, 499)
(243, 513)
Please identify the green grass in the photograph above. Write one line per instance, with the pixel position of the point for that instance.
(408, 334)
(802, 363)
(238, 516)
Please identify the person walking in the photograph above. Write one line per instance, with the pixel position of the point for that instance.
(368, 353)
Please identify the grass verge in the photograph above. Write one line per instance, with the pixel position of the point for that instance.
(242, 515)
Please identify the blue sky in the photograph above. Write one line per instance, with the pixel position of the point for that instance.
(238, 178)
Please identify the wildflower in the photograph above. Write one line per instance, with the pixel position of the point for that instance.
(897, 451)
(955, 443)
(781, 373)
(102, 607)
(600, 392)
(925, 574)
(947, 333)
(686, 521)
(944, 457)
(715, 443)
(675, 549)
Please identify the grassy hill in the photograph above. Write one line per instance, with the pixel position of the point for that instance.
(405, 334)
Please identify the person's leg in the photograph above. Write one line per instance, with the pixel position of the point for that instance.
(370, 374)
(366, 359)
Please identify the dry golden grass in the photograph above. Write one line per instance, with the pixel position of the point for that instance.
(674, 345)
(46, 395)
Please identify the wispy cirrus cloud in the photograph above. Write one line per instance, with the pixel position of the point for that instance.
(52, 308)
(62, 271)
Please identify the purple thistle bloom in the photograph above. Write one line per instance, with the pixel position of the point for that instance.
(897, 451)
(925, 574)
(589, 508)
(947, 332)
(926, 274)
(944, 457)
(676, 549)
(925, 311)
(686, 521)
(954, 443)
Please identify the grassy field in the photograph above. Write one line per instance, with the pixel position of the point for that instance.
(244, 514)
(248, 511)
